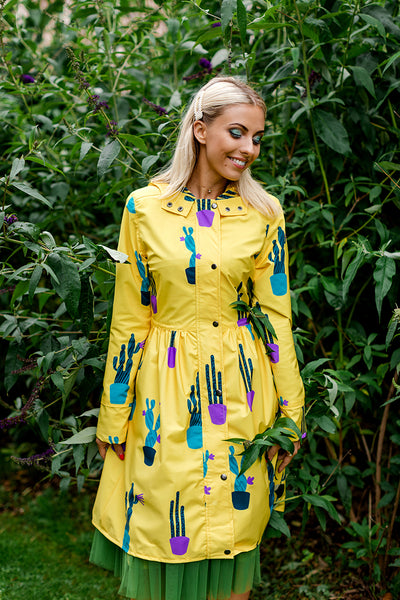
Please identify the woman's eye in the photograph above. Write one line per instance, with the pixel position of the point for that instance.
(257, 140)
(236, 133)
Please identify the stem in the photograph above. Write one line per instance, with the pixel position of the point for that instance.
(379, 449)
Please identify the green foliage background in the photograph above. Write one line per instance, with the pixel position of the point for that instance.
(110, 84)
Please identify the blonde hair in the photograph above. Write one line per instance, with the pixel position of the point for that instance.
(209, 102)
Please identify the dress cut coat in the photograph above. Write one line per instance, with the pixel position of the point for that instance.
(185, 372)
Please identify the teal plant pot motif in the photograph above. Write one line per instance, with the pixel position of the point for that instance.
(123, 366)
(277, 257)
(149, 454)
(216, 408)
(191, 246)
(118, 393)
(240, 497)
(240, 500)
(194, 433)
(179, 542)
(152, 437)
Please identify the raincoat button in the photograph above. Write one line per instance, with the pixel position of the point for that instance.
(214, 205)
(180, 208)
(218, 392)
(213, 266)
(169, 204)
(215, 323)
(224, 476)
(227, 551)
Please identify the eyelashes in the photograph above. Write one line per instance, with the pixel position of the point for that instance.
(236, 134)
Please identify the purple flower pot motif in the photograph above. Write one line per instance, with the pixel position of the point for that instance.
(191, 275)
(118, 393)
(171, 357)
(205, 218)
(179, 545)
(149, 454)
(194, 437)
(240, 500)
(274, 356)
(217, 413)
(153, 300)
(145, 298)
(250, 398)
(279, 284)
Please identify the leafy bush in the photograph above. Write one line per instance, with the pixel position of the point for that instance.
(91, 98)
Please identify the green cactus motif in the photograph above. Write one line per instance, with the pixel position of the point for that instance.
(144, 274)
(119, 389)
(191, 246)
(152, 437)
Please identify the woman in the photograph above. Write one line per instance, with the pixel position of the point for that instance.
(175, 518)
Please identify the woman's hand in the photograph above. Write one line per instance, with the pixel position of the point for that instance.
(283, 456)
(103, 447)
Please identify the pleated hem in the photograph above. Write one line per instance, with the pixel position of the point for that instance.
(210, 579)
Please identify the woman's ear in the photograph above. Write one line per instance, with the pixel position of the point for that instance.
(199, 131)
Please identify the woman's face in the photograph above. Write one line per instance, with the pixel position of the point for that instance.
(231, 143)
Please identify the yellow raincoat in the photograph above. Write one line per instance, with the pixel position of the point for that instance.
(185, 372)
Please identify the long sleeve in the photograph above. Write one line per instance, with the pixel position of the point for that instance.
(271, 291)
(129, 329)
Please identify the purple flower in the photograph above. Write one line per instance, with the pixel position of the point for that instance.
(283, 402)
(207, 490)
(95, 103)
(144, 413)
(140, 498)
(142, 345)
(159, 109)
(112, 129)
(27, 78)
(35, 459)
(304, 435)
(216, 24)
(198, 255)
(83, 83)
(250, 480)
(211, 456)
(9, 219)
(158, 438)
(205, 64)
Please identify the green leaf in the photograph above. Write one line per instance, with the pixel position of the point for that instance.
(107, 156)
(148, 162)
(68, 286)
(30, 191)
(385, 269)
(85, 436)
(85, 147)
(373, 22)
(42, 161)
(116, 255)
(228, 7)
(363, 78)
(137, 141)
(351, 272)
(278, 522)
(17, 166)
(312, 367)
(242, 20)
(331, 131)
(35, 278)
(390, 61)
(326, 424)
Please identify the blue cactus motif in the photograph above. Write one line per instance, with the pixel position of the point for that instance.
(151, 437)
(278, 279)
(194, 434)
(179, 542)
(240, 498)
(216, 408)
(144, 274)
(246, 371)
(113, 440)
(191, 246)
(119, 389)
(206, 457)
(131, 205)
(130, 500)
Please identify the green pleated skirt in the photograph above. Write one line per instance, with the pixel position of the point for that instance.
(210, 579)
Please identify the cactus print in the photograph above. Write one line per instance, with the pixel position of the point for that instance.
(216, 407)
(191, 246)
(277, 257)
(246, 371)
(152, 437)
(194, 434)
(240, 497)
(178, 540)
(119, 389)
(130, 500)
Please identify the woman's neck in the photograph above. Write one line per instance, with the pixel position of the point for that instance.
(201, 188)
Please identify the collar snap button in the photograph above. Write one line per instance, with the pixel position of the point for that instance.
(214, 205)
(169, 204)
(180, 208)
(227, 208)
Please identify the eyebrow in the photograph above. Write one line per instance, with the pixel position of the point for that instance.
(245, 128)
